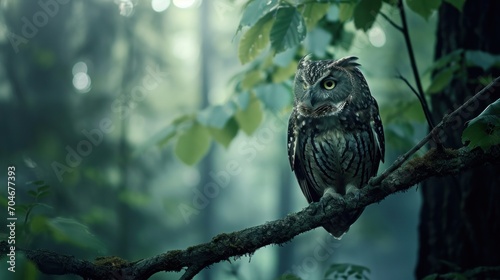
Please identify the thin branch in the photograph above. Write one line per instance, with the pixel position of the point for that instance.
(191, 272)
(410, 86)
(391, 22)
(406, 34)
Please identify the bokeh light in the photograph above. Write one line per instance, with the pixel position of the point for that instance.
(126, 7)
(184, 4)
(376, 36)
(160, 5)
(80, 66)
(81, 81)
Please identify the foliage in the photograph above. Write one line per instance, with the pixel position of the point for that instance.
(273, 37)
(344, 271)
(38, 191)
(451, 276)
(347, 271)
(289, 276)
(38, 223)
(455, 64)
(484, 130)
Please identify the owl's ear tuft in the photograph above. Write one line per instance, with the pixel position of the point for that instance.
(346, 62)
(305, 60)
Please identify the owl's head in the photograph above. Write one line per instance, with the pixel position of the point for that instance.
(326, 87)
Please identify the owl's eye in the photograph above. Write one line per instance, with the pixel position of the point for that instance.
(328, 84)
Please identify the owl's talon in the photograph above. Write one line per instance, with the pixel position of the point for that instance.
(337, 198)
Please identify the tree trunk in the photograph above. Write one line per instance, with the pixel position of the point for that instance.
(460, 217)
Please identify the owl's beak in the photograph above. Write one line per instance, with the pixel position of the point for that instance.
(315, 100)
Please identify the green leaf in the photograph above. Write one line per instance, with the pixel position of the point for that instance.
(254, 41)
(365, 13)
(402, 111)
(391, 2)
(70, 231)
(274, 96)
(313, 12)
(424, 7)
(193, 144)
(482, 59)
(336, 268)
(216, 116)
(225, 135)
(252, 78)
(38, 224)
(450, 58)
(43, 188)
(36, 183)
(318, 41)
(284, 73)
(134, 198)
(165, 135)
(28, 271)
(288, 30)
(250, 118)
(442, 79)
(454, 276)
(346, 11)
(255, 10)
(431, 277)
(289, 276)
(359, 268)
(242, 100)
(32, 193)
(459, 4)
(284, 59)
(484, 130)
(42, 194)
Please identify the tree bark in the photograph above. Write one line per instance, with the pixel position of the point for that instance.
(460, 216)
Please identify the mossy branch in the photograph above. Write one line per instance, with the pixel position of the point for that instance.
(225, 246)
(402, 175)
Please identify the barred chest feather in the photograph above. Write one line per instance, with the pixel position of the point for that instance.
(334, 153)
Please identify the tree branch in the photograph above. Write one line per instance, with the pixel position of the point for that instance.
(399, 177)
(247, 241)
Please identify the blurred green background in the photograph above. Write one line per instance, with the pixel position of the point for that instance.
(90, 92)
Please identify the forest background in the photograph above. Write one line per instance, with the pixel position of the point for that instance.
(139, 127)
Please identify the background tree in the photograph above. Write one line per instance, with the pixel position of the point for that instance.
(458, 217)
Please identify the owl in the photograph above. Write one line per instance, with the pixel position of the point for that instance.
(335, 134)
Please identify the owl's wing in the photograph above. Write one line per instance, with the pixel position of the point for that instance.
(297, 162)
(292, 139)
(377, 130)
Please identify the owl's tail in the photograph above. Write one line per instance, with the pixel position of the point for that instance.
(339, 229)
